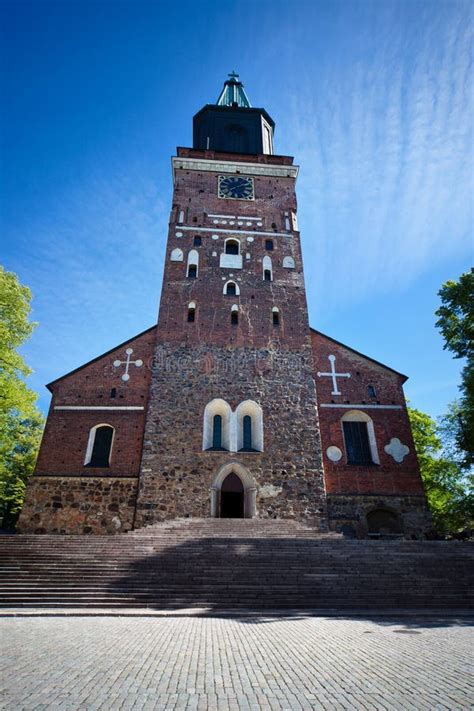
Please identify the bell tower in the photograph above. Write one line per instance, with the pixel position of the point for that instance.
(232, 413)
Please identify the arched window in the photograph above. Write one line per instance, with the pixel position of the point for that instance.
(359, 438)
(288, 262)
(231, 289)
(275, 316)
(181, 216)
(99, 446)
(217, 426)
(249, 419)
(193, 264)
(176, 255)
(232, 246)
(192, 312)
(234, 318)
(267, 269)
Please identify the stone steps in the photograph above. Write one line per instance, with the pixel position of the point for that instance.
(221, 564)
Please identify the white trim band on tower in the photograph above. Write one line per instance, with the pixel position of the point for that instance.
(233, 231)
(219, 166)
(99, 407)
(352, 406)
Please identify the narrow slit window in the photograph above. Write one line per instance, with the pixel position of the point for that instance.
(113, 393)
(276, 318)
(247, 426)
(217, 432)
(267, 275)
(371, 391)
(192, 271)
(191, 314)
(234, 318)
(269, 245)
(197, 241)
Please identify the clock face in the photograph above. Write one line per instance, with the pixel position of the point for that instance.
(235, 187)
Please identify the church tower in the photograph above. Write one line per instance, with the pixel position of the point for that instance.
(232, 425)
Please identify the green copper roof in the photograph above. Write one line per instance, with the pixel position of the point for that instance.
(233, 93)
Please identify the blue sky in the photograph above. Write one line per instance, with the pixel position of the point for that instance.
(374, 100)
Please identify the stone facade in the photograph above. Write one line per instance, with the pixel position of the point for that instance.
(348, 513)
(79, 505)
(177, 475)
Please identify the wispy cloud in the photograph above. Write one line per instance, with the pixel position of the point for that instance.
(95, 269)
(387, 154)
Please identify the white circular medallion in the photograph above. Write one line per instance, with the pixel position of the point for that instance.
(139, 363)
(249, 239)
(179, 234)
(215, 236)
(129, 351)
(125, 377)
(117, 363)
(333, 453)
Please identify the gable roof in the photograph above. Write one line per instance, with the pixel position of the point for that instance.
(76, 370)
(377, 362)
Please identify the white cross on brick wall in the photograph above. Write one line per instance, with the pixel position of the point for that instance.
(334, 375)
(127, 363)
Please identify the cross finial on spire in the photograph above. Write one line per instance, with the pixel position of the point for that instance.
(233, 93)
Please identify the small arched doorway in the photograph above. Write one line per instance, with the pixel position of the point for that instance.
(383, 522)
(233, 492)
(232, 497)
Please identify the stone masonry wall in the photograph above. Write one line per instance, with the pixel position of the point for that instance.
(348, 513)
(177, 475)
(78, 505)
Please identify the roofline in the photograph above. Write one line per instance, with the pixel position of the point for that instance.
(254, 109)
(387, 367)
(89, 362)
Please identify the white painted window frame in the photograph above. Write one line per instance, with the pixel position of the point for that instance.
(359, 416)
(91, 440)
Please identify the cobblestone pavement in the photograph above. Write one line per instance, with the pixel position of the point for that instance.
(235, 663)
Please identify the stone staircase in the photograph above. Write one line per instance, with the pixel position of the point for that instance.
(226, 564)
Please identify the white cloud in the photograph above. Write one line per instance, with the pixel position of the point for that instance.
(386, 151)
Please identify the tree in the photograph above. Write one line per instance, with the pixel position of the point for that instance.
(20, 420)
(456, 323)
(450, 492)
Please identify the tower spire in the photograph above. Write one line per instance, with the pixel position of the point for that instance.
(233, 93)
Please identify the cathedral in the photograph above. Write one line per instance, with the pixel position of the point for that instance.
(232, 405)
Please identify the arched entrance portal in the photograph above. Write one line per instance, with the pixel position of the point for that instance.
(232, 497)
(233, 492)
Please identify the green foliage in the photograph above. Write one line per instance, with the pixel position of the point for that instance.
(456, 315)
(17, 460)
(449, 490)
(456, 323)
(20, 421)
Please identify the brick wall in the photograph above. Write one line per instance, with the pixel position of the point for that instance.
(354, 490)
(65, 496)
